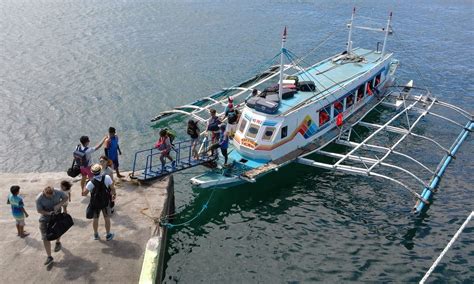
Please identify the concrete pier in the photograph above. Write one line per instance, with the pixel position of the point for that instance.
(83, 259)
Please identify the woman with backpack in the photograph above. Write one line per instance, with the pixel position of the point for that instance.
(164, 146)
(193, 132)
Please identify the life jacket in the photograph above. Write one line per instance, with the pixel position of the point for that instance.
(323, 117)
(339, 119)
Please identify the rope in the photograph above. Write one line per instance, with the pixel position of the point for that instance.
(447, 248)
(204, 207)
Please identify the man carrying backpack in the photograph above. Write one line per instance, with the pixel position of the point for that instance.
(102, 197)
(82, 157)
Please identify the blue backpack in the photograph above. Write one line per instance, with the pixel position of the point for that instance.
(80, 157)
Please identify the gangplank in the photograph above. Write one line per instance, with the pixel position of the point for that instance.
(147, 165)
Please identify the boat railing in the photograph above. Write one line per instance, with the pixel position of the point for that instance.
(148, 165)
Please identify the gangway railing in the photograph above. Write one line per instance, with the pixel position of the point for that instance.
(147, 164)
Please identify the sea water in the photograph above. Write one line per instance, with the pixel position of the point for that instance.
(72, 68)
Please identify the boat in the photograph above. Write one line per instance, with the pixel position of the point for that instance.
(289, 113)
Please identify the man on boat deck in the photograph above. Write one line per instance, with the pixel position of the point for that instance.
(213, 126)
(232, 115)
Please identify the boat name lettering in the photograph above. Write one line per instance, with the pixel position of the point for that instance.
(248, 143)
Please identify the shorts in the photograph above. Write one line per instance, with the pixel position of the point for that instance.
(43, 229)
(106, 212)
(20, 221)
(86, 171)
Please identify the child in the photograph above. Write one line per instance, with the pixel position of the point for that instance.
(164, 146)
(18, 210)
(105, 163)
(66, 187)
(112, 150)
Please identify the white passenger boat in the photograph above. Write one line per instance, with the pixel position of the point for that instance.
(297, 111)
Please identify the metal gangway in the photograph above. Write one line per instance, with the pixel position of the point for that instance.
(147, 165)
(367, 158)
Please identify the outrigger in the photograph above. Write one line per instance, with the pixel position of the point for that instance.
(299, 113)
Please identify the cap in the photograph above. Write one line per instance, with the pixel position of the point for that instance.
(230, 99)
(95, 169)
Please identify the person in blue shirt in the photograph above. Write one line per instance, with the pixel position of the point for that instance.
(18, 210)
(112, 150)
(224, 143)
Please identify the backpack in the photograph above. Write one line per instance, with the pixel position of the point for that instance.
(213, 124)
(232, 116)
(80, 156)
(171, 135)
(100, 196)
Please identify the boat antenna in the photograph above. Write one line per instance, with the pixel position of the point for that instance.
(282, 53)
(349, 40)
(387, 30)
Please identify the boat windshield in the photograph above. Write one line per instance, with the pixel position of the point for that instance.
(253, 131)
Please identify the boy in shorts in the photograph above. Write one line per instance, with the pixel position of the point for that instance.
(18, 210)
(66, 188)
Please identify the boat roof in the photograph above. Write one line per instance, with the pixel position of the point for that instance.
(328, 76)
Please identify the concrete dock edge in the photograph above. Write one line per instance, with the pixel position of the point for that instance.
(154, 258)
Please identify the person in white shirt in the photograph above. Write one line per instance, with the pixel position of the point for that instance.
(101, 182)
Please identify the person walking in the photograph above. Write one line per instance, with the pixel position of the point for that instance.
(49, 202)
(18, 210)
(112, 150)
(164, 146)
(82, 156)
(102, 195)
(193, 132)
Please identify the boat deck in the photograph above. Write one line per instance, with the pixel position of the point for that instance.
(329, 76)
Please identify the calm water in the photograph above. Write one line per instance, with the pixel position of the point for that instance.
(72, 68)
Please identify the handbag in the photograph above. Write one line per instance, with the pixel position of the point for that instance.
(89, 212)
(74, 170)
(58, 225)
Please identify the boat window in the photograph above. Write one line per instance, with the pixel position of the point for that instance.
(360, 92)
(369, 88)
(284, 132)
(377, 79)
(324, 115)
(349, 100)
(253, 130)
(267, 135)
(338, 107)
(242, 126)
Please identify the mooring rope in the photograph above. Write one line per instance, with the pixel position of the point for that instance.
(447, 248)
(204, 207)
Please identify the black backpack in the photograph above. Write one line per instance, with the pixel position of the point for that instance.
(100, 196)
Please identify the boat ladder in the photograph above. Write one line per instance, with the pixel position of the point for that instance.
(369, 156)
(147, 165)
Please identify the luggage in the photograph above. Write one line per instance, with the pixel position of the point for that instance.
(252, 102)
(295, 78)
(307, 86)
(265, 106)
(288, 82)
(272, 97)
(273, 88)
(287, 93)
(58, 225)
(74, 170)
